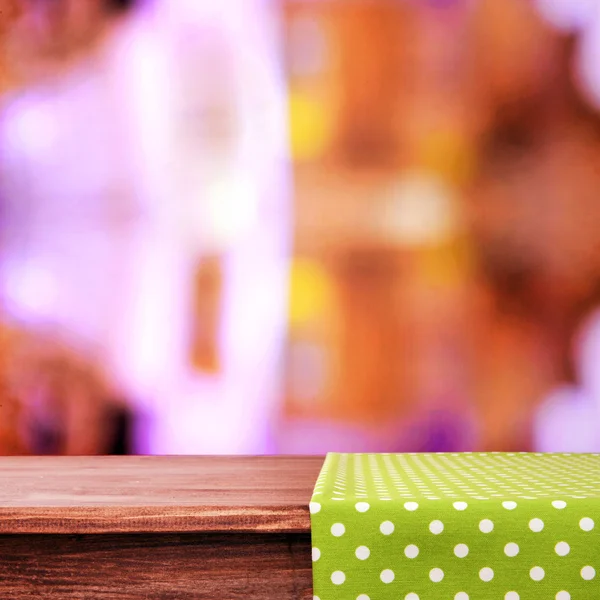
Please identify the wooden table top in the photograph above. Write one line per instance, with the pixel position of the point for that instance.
(142, 494)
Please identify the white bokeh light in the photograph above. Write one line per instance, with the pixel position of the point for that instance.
(420, 210)
(587, 63)
(567, 15)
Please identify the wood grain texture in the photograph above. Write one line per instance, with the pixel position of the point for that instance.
(156, 494)
(235, 566)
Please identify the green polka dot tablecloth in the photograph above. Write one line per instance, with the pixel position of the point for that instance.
(487, 526)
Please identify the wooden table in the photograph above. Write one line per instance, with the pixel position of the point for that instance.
(125, 528)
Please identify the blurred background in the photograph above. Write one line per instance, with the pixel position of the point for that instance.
(294, 226)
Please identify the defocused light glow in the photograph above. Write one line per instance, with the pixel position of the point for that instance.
(232, 210)
(587, 353)
(420, 211)
(308, 46)
(31, 291)
(582, 16)
(311, 292)
(31, 127)
(310, 126)
(587, 66)
(567, 15)
(447, 153)
(567, 421)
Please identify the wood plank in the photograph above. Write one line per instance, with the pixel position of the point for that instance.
(156, 494)
(249, 566)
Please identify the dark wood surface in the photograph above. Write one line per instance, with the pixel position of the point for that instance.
(109, 495)
(235, 566)
(153, 528)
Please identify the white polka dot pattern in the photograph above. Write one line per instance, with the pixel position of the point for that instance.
(338, 577)
(387, 528)
(387, 576)
(562, 548)
(486, 526)
(392, 526)
(537, 573)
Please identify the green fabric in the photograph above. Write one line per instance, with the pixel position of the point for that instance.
(486, 526)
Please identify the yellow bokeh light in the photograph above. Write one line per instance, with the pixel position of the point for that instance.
(310, 126)
(311, 292)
